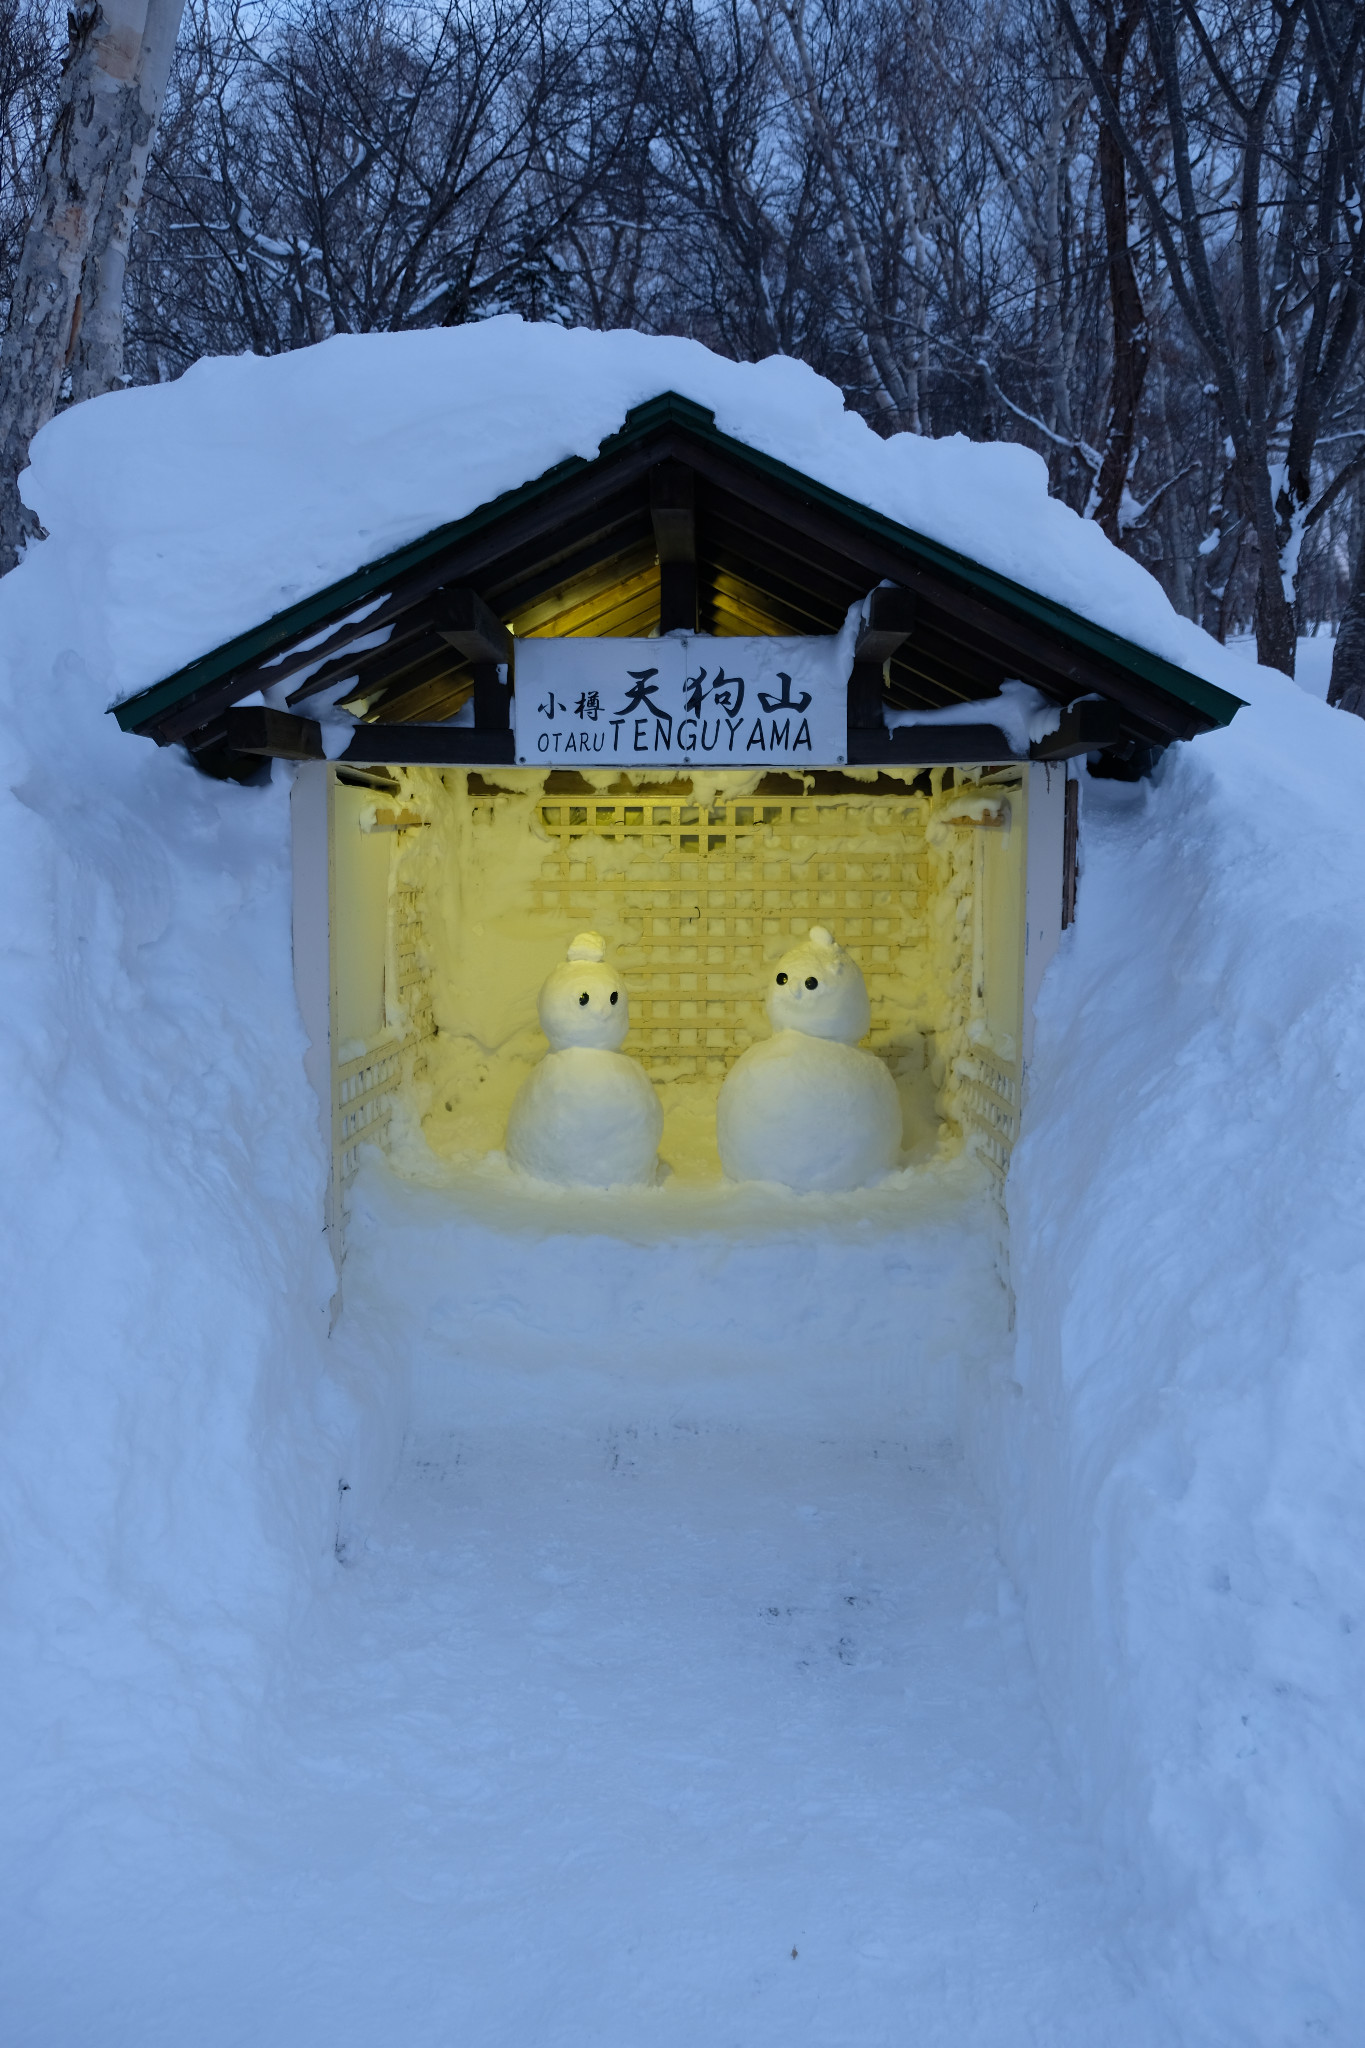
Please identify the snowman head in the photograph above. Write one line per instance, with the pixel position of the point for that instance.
(818, 989)
(585, 1002)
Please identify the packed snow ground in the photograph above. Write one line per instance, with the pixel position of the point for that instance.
(661, 1714)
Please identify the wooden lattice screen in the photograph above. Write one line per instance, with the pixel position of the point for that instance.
(716, 893)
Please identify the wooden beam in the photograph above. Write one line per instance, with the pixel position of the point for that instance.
(276, 735)
(1087, 728)
(889, 619)
(732, 593)
(946, 662)
(577, 620)
(774, 594)
(584, 587)
(430, 746)
(815, 555)
(921, 689)
(615, 522)
(958, 644)
(418, 695)
(466, 623)
(970, 746)
(379, 665)
(439, 701)
(266, 674)
(209, 750)
(757, 554)
(672, 511)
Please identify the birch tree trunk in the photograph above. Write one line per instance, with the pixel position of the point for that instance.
(1347, 687)
(1130, 345)
(67, 308)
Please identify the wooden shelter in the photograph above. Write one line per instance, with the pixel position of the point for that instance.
(944, 859)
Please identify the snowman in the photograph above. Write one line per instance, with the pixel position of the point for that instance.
(808, 1107)
(587, 1116)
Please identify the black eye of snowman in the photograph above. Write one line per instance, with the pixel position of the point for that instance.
(582, 1000)
(811, 982)
(614, 994)
(782, 981)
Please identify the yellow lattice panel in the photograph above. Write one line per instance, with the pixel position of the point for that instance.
(989, 1102)
(714, 892)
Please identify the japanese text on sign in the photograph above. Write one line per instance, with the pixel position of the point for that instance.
(683, 701)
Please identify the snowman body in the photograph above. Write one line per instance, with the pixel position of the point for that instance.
(588, 1115)
(808, 1107)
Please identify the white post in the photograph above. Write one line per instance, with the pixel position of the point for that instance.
(310, 807)
(1043, 881)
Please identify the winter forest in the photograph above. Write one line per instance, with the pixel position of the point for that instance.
(1124, 232)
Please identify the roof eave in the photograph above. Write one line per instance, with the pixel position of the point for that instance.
(669, 411)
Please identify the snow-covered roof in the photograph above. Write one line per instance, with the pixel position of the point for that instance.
(214, 503)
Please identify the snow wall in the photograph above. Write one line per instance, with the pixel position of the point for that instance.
(1176, 1454)
(1177, 1451)
(174, 1420)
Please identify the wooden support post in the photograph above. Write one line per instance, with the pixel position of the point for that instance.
(673, 510)
(310, 808)
(1045, 816)
(1071, 852)
(865, 695)
(890, 620)
(492, 698)
(466, 623)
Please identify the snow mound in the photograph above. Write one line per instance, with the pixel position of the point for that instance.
(205, 506)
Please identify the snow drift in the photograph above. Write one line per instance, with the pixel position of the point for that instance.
(1177, 1450)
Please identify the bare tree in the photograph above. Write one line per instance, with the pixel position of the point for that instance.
(1347, 687)
(30, 73)
(1127, 312)
(351, 166)
(65, 309)
(1125, 232)
(1254, 198)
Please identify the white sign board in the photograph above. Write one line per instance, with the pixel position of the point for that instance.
(685, 701)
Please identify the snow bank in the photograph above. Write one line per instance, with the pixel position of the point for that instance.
(258, 480)
(1179, 1455)
(169, 1447)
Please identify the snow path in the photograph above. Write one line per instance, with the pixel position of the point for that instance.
(596, 1728)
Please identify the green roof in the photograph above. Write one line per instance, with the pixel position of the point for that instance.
(284, 628)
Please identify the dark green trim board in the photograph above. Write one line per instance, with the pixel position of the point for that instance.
(658, 416)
